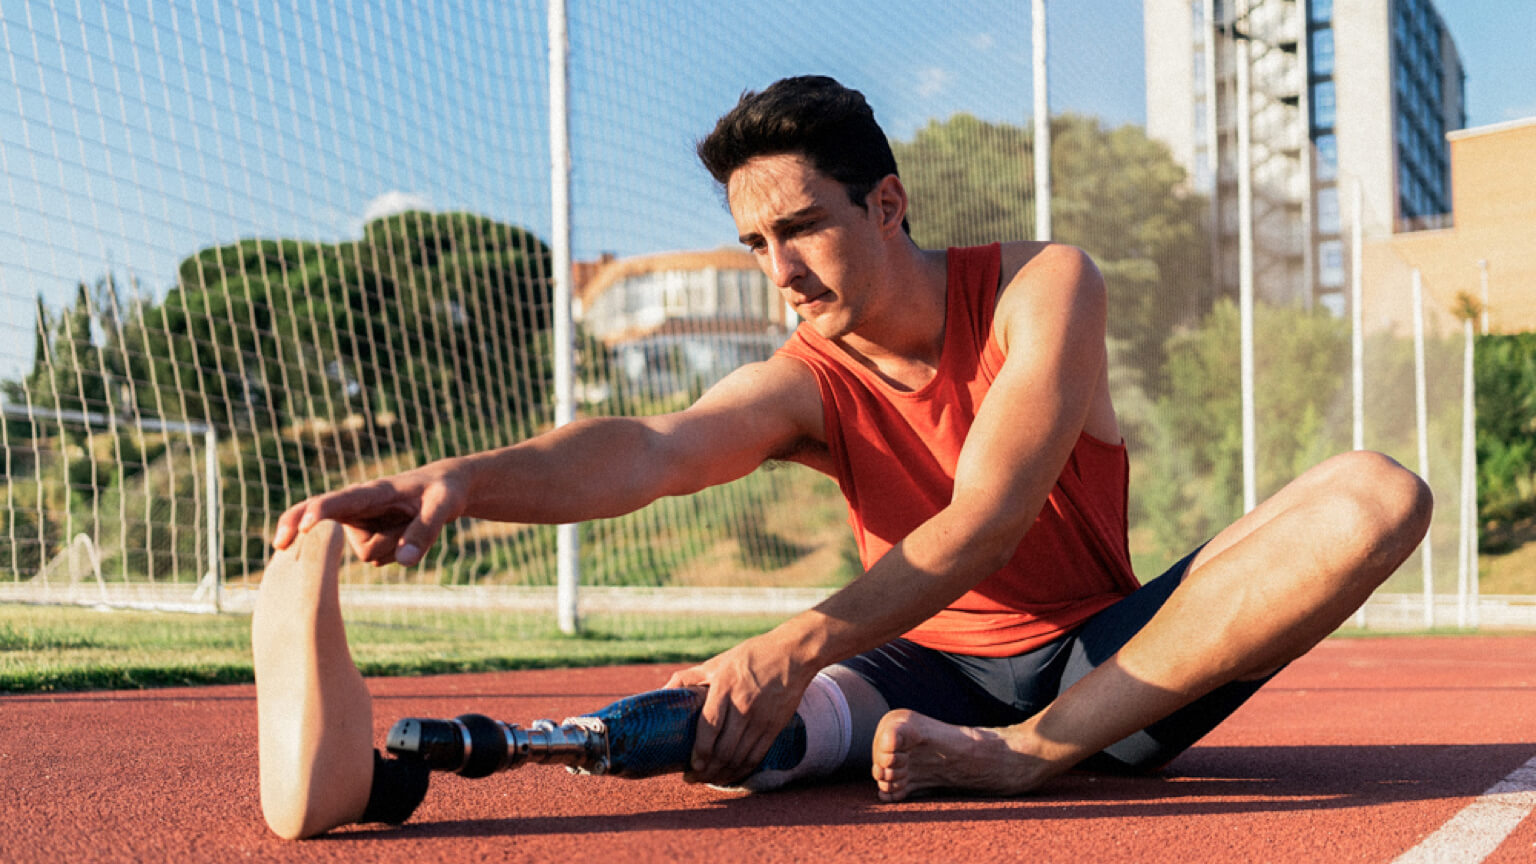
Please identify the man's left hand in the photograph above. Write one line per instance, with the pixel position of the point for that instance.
(753, 691)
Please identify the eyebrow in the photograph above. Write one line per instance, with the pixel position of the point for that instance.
(782, 222)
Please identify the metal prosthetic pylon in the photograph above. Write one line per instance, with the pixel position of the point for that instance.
(474, 745)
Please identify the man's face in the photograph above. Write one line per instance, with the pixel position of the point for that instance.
(818, 247)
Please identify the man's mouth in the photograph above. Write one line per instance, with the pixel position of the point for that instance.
(815, 298)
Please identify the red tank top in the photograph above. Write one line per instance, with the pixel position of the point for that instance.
(894, 455)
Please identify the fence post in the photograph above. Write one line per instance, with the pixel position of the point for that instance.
(567, 566)
(1357, 330)
(1042, 138)
(1245, 258)
(1421, 412)
(215, 575)
(1466, 576)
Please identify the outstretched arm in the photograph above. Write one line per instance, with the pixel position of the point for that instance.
(1053, 386)
(593, 468)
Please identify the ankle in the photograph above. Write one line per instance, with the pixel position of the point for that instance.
(1035, 758)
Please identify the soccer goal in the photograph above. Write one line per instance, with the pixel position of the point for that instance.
(131, 517)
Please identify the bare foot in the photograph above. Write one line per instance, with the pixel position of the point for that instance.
(314, 713)
(913, 752)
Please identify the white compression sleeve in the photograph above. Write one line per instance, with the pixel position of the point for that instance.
(828, 736)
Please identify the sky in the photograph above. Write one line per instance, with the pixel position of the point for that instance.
(133, 134)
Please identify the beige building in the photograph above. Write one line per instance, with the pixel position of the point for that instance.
(678, 320)
(1492, 240)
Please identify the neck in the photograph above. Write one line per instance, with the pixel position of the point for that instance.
(903, 338)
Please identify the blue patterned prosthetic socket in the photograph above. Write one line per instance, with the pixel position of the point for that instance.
(652, 733)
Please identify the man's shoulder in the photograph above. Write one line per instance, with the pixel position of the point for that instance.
(1021, 256)
(1040, 280)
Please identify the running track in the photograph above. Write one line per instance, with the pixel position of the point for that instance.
(1359, 752)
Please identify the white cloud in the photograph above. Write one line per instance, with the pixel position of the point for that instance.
(931, 80)
(392, 202)
(1520, 112)
(983, 42)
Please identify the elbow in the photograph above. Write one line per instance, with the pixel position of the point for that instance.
(994, 546)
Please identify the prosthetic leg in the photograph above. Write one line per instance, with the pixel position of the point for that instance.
(641, 736)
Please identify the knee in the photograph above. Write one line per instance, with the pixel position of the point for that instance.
(1378, 502)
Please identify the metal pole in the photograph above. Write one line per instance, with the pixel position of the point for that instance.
(1042, 151)
(1357, 315)
(1421, 411)
(1245, 259)
(568, 573)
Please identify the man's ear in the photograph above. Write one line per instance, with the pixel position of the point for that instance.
(889, 200)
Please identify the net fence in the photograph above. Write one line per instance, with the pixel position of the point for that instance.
(252, 252)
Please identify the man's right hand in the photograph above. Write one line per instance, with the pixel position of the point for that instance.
(393, 520)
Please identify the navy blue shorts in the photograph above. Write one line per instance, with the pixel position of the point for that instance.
(1001, 691)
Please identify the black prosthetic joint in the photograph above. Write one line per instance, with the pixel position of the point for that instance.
(399, 785)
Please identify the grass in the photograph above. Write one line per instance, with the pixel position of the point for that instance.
(50, 648)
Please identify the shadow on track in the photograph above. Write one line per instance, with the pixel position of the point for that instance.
(1204, 781)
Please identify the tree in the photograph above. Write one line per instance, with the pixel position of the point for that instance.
(1505, 371)
(1115, 193)
(1190, 483)
(421, 339)
(428, 317)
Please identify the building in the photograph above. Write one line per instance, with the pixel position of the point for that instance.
(1487, 254)
(678, 321)
(1348, 100)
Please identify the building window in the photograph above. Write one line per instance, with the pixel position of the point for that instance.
(1328, 210)
(1321, 11)
(1330, 264)
(1322, 105)
(1322, 52)
(1327, 157)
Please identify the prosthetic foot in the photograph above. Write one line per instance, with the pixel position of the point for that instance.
(640, 736)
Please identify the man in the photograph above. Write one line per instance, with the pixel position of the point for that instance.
(961, 400)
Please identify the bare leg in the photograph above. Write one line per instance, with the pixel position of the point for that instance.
(1262, 593)
(314, 713)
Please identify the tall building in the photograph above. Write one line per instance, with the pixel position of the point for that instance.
(1343, 94)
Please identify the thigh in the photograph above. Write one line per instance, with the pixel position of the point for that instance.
(1103, 635)
(931, 682)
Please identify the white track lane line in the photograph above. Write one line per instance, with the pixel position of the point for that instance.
(1473, 834)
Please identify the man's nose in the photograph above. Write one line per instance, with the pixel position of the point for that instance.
(784, 266)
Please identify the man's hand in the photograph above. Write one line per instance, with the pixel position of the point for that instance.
(754, 690)
(393, 520)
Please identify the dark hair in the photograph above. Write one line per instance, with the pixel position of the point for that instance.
(810, 115)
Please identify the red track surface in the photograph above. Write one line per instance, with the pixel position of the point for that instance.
(1355, 753)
